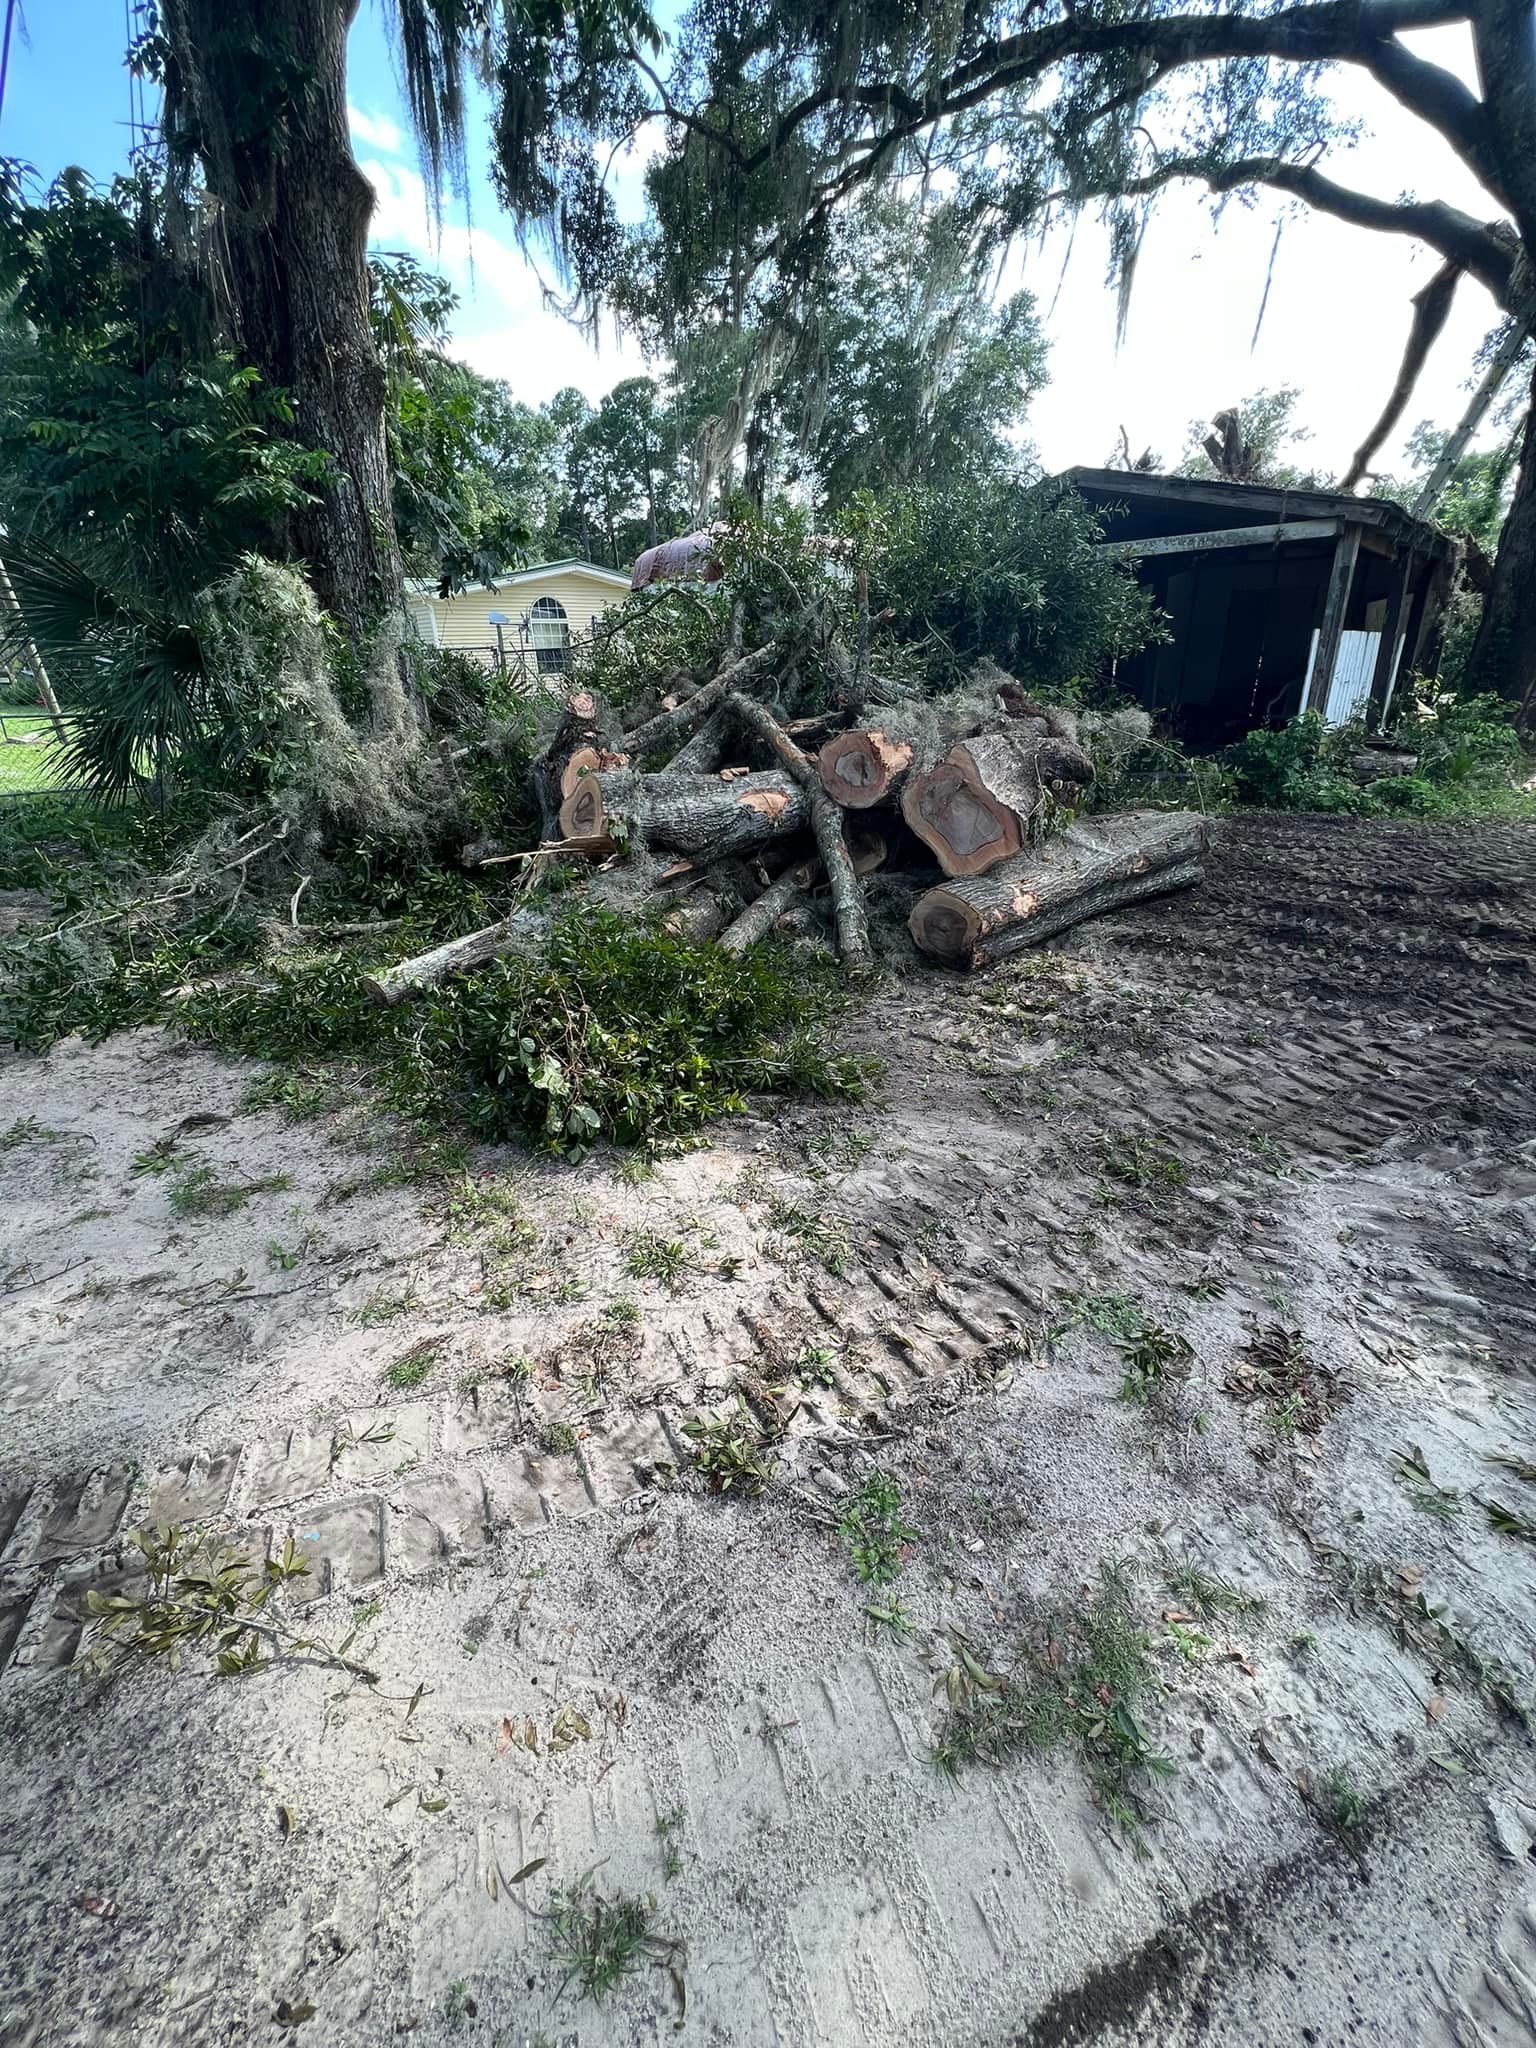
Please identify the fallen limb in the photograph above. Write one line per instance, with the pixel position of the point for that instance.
(475, 949)
(761, 915)
(698, 815)
(670, 727)
(827, 824)
(1095, 865)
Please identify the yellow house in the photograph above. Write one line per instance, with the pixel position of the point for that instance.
(528, 622)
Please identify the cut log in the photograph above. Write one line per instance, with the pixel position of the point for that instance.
(975, 807)
(692, 814)
(579, 729)
(1092, 866)
(475, 949)
(862, 767)
(584, 761)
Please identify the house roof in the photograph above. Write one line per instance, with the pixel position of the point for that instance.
(1210, 502)
(568, 565)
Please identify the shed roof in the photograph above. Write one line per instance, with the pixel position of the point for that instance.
(1169, 504)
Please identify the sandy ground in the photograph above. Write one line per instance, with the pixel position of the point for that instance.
(1332, 1041)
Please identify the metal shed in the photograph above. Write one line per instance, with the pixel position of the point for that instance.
(1277, 599)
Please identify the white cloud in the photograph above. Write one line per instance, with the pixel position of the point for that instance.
(504, 326)
(375, 131)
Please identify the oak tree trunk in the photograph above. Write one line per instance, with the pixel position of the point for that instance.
(863, 767)
(256, 89)
(1503, 658)
(698, 815)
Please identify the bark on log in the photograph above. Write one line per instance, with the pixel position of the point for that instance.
(863, 767)
(974, 808)
(1094, 865)
(692, 814)
(827, 824)
(705, 752)
(475, 949)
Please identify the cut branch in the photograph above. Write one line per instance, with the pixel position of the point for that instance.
(863, 767)
(699, 815)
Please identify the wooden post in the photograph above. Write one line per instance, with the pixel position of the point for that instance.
(1381, 676)
(1335, 607)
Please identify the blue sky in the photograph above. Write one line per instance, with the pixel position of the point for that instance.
(1338, 307)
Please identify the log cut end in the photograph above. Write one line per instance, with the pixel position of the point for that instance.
(587, 761)
(858, 768)
(584, 820)
(966, 828)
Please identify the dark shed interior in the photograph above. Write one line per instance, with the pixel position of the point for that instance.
(1242, 614)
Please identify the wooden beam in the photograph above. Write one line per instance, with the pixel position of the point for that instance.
(1222, 537)
(1381, 675)
(1335, 607)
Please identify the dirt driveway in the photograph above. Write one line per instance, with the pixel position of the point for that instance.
(1200, 1254)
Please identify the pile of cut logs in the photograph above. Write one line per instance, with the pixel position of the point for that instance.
(749, 816)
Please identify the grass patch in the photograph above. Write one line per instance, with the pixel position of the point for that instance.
(874, 1531)
(652, 1256)
(559, 1440)
(1209, 1594)
(605, 1940)
(1141, 1162)
(411, 1370)
(1084, 1686)
(818, 1236)
(732, 1451)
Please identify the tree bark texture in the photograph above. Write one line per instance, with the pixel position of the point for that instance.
(974, 807)
(698, 815)
(1503, 658)
(475, 949)
(256, 89)
(1092, 866)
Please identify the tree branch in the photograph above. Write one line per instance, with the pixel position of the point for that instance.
(1470, 244)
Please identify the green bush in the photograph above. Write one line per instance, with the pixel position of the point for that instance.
(611, 1030)
(1470, 764)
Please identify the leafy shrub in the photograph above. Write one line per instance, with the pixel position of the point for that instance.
(611, 1030)
(1004, 570)
(1469, 763)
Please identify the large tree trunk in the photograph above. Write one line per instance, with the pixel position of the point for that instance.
(1096, 864)
(702, 816)
(1503, 657)
(256, 89)
(976, 806)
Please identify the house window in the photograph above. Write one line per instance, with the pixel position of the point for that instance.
(549, 635)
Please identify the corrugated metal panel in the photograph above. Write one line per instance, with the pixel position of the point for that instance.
(1349, 687)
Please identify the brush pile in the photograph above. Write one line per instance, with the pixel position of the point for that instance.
(733, 820)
